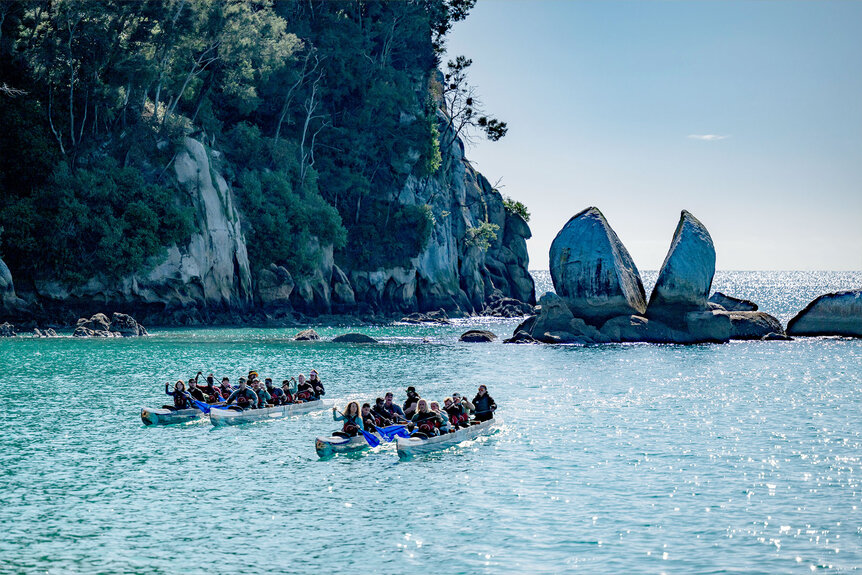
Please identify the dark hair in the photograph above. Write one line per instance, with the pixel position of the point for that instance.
(378, 400)
(364, 405)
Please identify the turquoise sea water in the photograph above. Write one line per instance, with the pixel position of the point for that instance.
(736, 458)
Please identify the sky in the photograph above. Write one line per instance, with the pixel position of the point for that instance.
(746, 113)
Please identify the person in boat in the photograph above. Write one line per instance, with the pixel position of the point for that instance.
(458, 409)
(225, 389)
(426, 421)
(264, 399)
(381, 416)
(395, 413)
(316, 384)
(304, 390)
(210, 390)
(182, 400)
(369, 422)
(245, 396)
(352, 419)
(442, 418)
(412, 400)
(195, 392)
(484, 405)
(288, 386)
(276, 393)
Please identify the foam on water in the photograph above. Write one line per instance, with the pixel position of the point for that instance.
(743, 457)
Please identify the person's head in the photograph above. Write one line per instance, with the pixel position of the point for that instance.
(313, 375)
(268, 382)
(422, 406)
(193, 383)
(435, 406)
(378, 402)
(210, 379)
(448, 402)
(352, 409)
(242, 383)
(180, 386)
(483, 390)
(411, 391)
(225, 381)
(366, 409)
(301, 378)
(388, 398)
(456, 397)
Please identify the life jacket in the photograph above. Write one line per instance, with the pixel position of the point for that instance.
(429, 424)
(350, 427)
(180, 400)
(243, 401)
(288, 397)
(304, 395)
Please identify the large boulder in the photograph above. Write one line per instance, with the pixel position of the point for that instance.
(353, 338)
(126, 326)
(501, 306)
(555, 323)
(731, 303)
(274, 286)
(593, 272)
(7, 330)
(752, 324)
(307, 335)
(837, 313)
(477, 336)
(693, 327)
(97, 322)
(685, 278)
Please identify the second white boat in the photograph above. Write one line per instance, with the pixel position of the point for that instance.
(220, 417)
(414, 445)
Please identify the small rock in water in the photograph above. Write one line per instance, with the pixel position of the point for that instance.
(477, 336)
(521, 337)
(126, 326)
(776, 337)
(837, 313)
(7, 330)
(731, 303)
(353, 338)
(306, 335)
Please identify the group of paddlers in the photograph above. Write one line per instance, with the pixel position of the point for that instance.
(420, 415)
(252, 393)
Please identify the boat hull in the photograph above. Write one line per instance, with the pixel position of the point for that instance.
(219, 417)
(162, 416)
(326, 446)
(413, 445)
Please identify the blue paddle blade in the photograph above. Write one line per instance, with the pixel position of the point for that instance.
(370, 438)
(201, 405)
(391, 431)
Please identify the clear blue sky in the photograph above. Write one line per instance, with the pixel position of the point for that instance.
(603, 99)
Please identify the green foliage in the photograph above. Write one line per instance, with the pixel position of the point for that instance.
(516, 207)
(481, 236)
(375, 242)
(103, 220)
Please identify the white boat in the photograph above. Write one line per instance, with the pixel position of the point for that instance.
(163, 416)
(413, 445)
(333, 444)
(233, 417)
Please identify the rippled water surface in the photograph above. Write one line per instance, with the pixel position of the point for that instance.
(735, 458)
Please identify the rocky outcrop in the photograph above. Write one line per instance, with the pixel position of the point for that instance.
(97, 322)
(353, 338)
(7, 330)
(692, 327)
(438, 317)
(274, 286)
(307, 335)
(776, 337)
(731, 303)
(685, 278)
(752, 324)
(592, 270)
(837, 313)
(44, 332)
(501, 306)
(126, 326)
(477, 336)
(555, 323)
(9, 302)
(521, 337)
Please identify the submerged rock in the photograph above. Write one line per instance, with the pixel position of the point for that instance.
(353, 338)
(752, 324)
(592, 270)
(306, 335)
(731, 303)
(477, 336)
(685, 278)
(837, 313)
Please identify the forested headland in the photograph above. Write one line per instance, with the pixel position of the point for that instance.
(184, 158)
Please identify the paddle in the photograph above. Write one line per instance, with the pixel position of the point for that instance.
(369, 437)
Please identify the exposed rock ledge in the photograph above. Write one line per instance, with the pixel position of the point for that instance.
(837, 313)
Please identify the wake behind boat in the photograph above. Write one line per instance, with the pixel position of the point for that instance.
(219, 417)
(415, 444)
(164, 416)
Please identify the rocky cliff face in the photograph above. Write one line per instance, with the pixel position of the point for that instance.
(190, 282)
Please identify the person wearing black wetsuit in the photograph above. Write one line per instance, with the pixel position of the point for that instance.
(196, 392)
(380, 414)
(368, 418)
(316, 384)
(276, 393)
(412, 400)
(484, 404)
